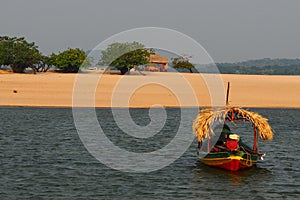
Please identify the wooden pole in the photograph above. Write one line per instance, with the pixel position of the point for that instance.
(255, 140)
(208, 145)
(227, 94)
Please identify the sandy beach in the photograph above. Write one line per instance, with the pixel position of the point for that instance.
(152, 89)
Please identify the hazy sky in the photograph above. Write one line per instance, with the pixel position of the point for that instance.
(230, 30)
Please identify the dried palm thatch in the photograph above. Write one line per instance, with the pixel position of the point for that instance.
(155, 58)
(205, 119)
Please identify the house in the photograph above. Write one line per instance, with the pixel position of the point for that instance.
(157, 63)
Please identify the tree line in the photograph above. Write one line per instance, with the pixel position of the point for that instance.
(19, 54)
(265, 66)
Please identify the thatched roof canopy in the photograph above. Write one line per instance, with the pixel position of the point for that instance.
(155, 58)
(202, 125)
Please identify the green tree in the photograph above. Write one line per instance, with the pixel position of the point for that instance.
(18, 53)
(42, 65)
(117, 49)
(182, 63)
(68, 61)
(125, 56)
(132, 59)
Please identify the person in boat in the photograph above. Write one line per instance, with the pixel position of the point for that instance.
(227, 141)
(225, 132)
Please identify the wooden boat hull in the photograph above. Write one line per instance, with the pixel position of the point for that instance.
(229, 161)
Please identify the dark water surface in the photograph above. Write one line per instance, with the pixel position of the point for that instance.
(42, 157)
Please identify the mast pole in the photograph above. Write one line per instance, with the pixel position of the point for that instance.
(227, 94)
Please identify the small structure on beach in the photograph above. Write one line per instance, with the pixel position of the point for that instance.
(157, 63)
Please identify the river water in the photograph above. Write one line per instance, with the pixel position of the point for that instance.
(42, 157)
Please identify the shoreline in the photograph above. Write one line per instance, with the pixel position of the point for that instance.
(55, 90)
(165, 107)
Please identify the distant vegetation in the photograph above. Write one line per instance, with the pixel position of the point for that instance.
(18, 54)
(182, 63)
(68, 61)
(265, 66)
(125, 56)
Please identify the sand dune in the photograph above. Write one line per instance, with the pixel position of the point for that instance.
(153, 89)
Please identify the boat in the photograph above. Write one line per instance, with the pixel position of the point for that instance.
(229, 152)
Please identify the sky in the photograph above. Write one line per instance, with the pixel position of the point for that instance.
(229, 30)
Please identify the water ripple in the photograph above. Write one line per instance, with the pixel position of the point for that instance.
(43, 157)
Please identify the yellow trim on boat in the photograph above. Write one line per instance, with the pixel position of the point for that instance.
(220, 161)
